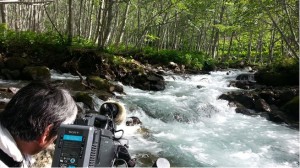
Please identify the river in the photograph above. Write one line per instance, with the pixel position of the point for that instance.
(209, 133)
(187, 124)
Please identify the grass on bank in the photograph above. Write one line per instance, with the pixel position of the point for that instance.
(39, 44)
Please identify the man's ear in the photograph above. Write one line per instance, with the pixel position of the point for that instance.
(45, 137)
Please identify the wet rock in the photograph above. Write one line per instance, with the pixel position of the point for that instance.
(268, 96)
(262, 105)
(84, 98)
(16, 63)
(98, 83)
(242, 84)
(133, 121)
(247, 77)
(103, 84)
(291, 109)
(10, 74)
(181, 118)
(173, 65)
(245, 111)
(104, 95)
(248, 68)
(150, 81)
(144, 131)
(276, 115)
(13, 90)
(36, 73)
(286, 95)
(226, 96)
(80, 107)
(145, 159)
(244, 98)
(244, 81)
(265, 101)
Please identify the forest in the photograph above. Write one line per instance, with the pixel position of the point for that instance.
(189, 32)
(212, 83)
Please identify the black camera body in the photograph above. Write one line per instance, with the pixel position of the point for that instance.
(89, 142)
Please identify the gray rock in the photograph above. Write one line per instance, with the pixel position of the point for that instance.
(262, 105)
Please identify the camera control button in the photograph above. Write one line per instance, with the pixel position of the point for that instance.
(72, 160)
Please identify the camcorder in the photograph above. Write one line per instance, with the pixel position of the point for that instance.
(91, 141)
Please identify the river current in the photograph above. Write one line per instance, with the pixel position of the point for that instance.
(187, 124)
(191, 127)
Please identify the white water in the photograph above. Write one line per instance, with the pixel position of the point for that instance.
(211, 134)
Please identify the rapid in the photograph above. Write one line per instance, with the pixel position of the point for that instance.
(187, 124)
(191, 127)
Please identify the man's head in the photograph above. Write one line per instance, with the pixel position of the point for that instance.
(35, 113)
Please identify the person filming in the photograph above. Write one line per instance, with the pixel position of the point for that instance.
(30, 122)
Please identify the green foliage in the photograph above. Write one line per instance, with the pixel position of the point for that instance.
(285, 64)
(80, 42)
(210, 65)
(284, 71)
(118, 60)
(192, 60)
(30, 42)
(151, 38)
(39, 45)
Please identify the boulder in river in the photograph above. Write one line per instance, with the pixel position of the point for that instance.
(16, 63)
(36, 73)
(103, 84)
(277, 104)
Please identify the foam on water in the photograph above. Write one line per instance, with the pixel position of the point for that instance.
(189, 126)
(65, 76)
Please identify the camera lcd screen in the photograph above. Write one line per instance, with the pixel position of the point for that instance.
(72, 138)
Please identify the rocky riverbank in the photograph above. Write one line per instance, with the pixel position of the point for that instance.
(279, 104)
(272, 95)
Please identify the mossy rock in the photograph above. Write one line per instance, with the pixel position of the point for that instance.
(36, 73)
(84, 98)
(103, 95)
(15, 63)
(11, 74)
(291, 108)
(99, 83)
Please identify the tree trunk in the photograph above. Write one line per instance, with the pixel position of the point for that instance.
(120, 34)
(175, 40)
(215, 45)
(271, 45)
(249, 47)
(3, 13)
(108, 22)
(284, 37)
(79, 19)
(230, 46)
(139, 23)
(259, 48)
(70, 35)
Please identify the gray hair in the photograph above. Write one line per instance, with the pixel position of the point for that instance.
(36, 106)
